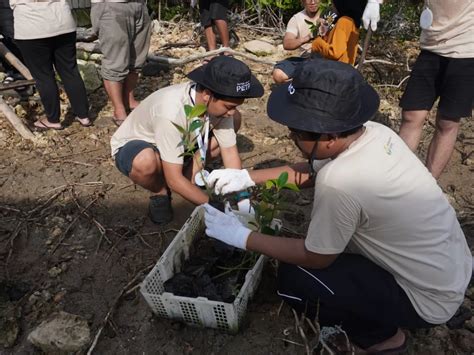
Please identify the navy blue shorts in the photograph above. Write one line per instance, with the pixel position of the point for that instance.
(449, 79)
(125, 155)
(289, 65)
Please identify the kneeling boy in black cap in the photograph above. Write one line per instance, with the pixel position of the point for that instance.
(147, 149)
(384, 249)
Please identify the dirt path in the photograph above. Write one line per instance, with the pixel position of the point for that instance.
(74, 232)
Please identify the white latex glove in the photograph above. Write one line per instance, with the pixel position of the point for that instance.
(371, 14)
(225, 227)
(226, 181)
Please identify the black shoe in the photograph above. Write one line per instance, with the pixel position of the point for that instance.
(160, 210)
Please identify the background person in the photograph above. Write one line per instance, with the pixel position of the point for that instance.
(147, 149)
(124, 30)
(214, 12)
(341, 42)
(384, 249)
(444, 69)
(45, 32)
(297, 35)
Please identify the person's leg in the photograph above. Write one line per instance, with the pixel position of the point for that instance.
(66, 66)
(419, 96)
(345, 295)
(38, 55)
(223, 31)
(442, 145)
(210, 38)
(412, 127)
(279, 76)
(140, 161)
(138, 53)
(115, 22)
(456, 97)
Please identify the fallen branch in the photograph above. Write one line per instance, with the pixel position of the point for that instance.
(14, 61)
(16, 84)
(393, 85)
(16, 122)
(192, 58)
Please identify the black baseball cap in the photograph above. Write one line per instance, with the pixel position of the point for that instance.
(324, 96)
(228, 77)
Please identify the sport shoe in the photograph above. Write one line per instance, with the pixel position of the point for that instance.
(160, 210)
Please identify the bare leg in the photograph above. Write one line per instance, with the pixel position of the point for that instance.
(211, 38)
(223, 30)
(147, 171)
(115, 91)
(442, 145)
(279, 76)
(129, 85)
(412, 127)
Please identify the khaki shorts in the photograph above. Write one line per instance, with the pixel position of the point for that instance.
(124, 31)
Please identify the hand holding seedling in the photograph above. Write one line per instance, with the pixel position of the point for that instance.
(225, 227)
(229, 180)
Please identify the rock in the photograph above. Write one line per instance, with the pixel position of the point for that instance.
(83, 55)
(2, 76)
(55, 271)
(470, 324)
(464, 339)
(62, 333)
(20, 111)
(96, 57)
(85, 34)
(259, 48)
(90, 75)
(9, 328)
(92, 47)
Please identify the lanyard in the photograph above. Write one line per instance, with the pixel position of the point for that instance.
(202, 143)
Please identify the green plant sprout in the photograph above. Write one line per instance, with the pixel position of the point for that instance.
(189, 139)
(269, 201)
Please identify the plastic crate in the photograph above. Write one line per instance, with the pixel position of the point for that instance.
(199, 311)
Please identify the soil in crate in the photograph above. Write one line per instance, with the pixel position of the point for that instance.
(208, 271)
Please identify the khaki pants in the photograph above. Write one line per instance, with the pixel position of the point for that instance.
(124, 32)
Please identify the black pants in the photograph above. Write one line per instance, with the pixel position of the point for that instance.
(44, 55)
(352, 292)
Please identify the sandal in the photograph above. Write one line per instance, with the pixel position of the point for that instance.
(39, 125)
(402, 349)
(84, 122)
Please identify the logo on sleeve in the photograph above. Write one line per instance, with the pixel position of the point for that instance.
(388, 146)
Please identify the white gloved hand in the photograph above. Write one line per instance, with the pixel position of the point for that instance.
(225, 227)
(371, 14)
(226, 181)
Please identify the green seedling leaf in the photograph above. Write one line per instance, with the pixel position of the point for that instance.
(187, 110)
(198, 110)
(196, 124)
(291, 186)
(269, 184)
(181, 130)
(282, 179)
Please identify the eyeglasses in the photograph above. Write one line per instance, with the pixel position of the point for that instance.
(304, 135)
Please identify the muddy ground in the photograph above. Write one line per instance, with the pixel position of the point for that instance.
(74, 231)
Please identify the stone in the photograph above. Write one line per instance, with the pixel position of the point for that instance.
(62, 333)
(96, 57)
(2, 76)
(55, 271)
(9, 328)
(90, 75)
(259, 48)
(85, 34)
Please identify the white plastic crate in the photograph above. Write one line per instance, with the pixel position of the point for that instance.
(196, 311)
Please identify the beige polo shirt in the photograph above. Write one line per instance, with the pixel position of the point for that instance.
(377, 199)
(452, 31)
(36, 20)
(152, 122)
(300, 28)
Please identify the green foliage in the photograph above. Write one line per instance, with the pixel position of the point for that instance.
(188, 138)
(269, 201)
